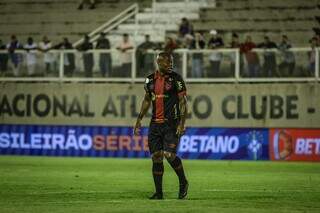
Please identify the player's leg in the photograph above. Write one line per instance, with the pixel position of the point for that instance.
(170, 143)
(176, 163)
(157, 172)
(156, 150)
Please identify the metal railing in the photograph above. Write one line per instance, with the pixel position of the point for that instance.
(111, 24)
(194, 65)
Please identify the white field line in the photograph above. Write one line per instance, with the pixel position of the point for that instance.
(170, 191)
(261, 190)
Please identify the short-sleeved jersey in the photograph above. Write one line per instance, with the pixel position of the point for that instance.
(164, 91)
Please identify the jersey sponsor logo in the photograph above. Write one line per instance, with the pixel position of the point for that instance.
(168, 85)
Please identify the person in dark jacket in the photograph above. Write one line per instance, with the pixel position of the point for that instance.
(215, 58)
(288, 62)
(88, 61)
(15, 58)
(270, 63)
(3, 59)
(105, 61)
(145, 60)
(69, 59)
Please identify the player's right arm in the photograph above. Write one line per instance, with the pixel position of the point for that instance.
(144, 109)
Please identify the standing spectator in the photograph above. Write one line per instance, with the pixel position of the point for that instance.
(49, 58)
(312, 56)
(235, 44)
(269, 64)
(187, 41)
(105, 62)
(145, 59)
(87, 56)
(125, 55)
(197, 43)
(3, 59)
(15, 58)
(185, 28)
(170, 45)
(318, 39)
(251, 57)
(288, 62)
(92, 4)
(31, 57)
(69, 61)
(215, 58)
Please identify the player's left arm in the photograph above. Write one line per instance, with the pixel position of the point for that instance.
(183, 107)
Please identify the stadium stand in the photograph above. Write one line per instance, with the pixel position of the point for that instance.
(261, 17)
(55, 18)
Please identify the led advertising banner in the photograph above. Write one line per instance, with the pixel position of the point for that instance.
(295, 144)
(100, 141)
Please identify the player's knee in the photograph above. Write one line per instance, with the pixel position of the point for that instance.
(157, 156)
(169, 156)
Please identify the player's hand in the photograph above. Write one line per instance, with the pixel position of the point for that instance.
(180, 130)
(136, 129)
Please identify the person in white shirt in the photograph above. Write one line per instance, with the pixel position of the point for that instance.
(31, 57)
(48, 57)
(125, 56)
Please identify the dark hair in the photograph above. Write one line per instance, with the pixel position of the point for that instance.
(235, 35)
(125, 35)
(166, 55)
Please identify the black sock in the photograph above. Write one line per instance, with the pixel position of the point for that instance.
(176, 164)
(157, 171)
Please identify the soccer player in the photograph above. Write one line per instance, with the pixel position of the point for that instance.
(166, 91)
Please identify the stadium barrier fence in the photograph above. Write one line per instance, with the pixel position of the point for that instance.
(198, 66)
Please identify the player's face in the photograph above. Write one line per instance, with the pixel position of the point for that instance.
(164, 63)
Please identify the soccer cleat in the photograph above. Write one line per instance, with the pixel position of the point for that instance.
(156, 196)
(183, 190)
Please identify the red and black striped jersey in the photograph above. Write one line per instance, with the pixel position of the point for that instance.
(164, 91)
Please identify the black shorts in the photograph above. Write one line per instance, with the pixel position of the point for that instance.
(163, 137)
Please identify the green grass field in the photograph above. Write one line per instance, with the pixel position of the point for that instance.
(41, 184)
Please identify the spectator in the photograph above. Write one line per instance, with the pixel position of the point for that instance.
(170, 45)
(318, 39)
(49, 58)
(270, 64)
(92, 4)
(68, 58)
(105, 62)
(87, 56)
(288, 62)
(251, 57)
(125, 56)
(312, 56)
(15, 58)
(145, 59)
(235, 44)
(185, 28)
(31, 57)
(197, 43)
(215, 58)
(3, 59)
